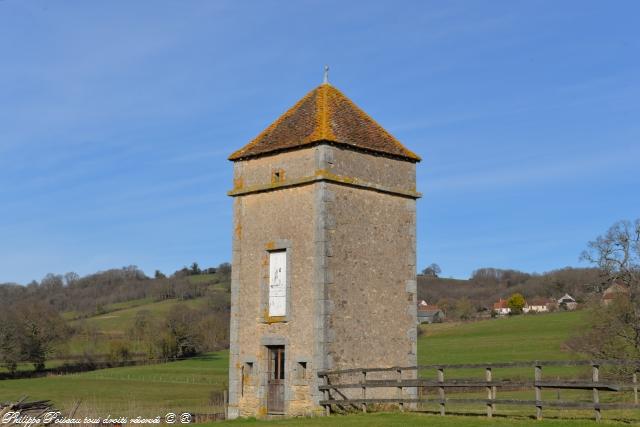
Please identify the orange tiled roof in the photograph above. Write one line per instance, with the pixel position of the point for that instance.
(428, 308)
(539, 301)
(500, 304)
(324, 114)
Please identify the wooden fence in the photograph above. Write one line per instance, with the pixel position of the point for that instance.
(336, 393)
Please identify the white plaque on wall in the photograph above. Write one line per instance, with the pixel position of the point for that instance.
(278, 283)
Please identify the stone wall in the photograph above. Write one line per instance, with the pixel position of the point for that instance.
(371, 264)
(280, 219)
(258, 171)
(351, 248)
(372, 168)
(372, 261)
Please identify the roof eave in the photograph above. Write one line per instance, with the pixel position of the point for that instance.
(240, 156)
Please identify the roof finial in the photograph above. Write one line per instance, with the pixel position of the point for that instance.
(325, 80)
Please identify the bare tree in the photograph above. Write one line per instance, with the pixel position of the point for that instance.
(617, 255)
(432, 270)
(71, 278)
(614, 329)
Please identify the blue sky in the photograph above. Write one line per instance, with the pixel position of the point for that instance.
(116, 119)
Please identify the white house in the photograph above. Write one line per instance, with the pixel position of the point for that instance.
(538, 305)
(501, 307)
(567, 302)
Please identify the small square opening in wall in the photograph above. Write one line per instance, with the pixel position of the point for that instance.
(277, 175)
(248, 368)
(302, 370)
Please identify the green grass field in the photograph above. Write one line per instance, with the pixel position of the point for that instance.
(508, 339)
(146, 390)
(191, 385)
(204, 278)
(399, 420)
(117, 322)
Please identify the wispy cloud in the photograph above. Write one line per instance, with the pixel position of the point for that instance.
(575, 167)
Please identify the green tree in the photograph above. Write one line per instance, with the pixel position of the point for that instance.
(432, 270)
(195, 269)
(177, 336)
(10, 345)
(516, 303)
(40, 328)
(119, 352)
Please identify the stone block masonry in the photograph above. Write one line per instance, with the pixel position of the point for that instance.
(343, 216)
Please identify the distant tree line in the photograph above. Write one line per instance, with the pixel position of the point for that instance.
(464, 299)
(32, 326)
(184, 331)
(28, 332)
(87, 296)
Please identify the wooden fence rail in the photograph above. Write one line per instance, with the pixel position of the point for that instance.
(336, 393)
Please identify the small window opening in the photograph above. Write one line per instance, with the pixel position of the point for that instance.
(302, 370)
(277, 283)
(276, 362)
(247, 370)
(277, 175)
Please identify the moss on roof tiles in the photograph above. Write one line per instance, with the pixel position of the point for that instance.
(324, 115)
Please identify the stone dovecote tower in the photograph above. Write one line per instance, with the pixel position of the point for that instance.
(324, 254)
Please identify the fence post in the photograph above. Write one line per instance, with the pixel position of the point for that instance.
(537, 379)
(225, 400)
(596, 393)
(364, 390)
(490, 393)
(327, 395)
(494, 391)
(441, 391)
(635, 387)
(421, 392)
(401, 403)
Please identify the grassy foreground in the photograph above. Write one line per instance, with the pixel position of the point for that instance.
(411, 419)
(508, 339)
(188, 385)
(191, 385)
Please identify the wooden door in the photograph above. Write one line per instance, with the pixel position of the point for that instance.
(275, 383)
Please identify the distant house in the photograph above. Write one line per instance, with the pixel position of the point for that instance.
(613, 292)
(567, 302)
(539, 305)
(501, 308)
(428, 313)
